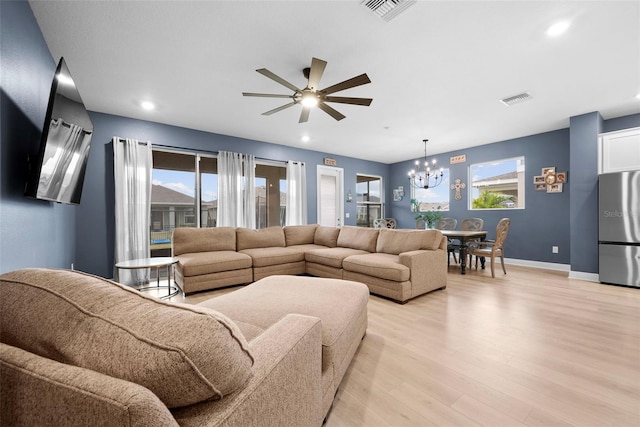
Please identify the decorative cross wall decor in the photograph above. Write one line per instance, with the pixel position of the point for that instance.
(459, 185)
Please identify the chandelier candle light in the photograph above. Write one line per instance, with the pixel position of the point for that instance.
(416, 178)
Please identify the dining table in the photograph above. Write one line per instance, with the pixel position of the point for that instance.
(465, 237)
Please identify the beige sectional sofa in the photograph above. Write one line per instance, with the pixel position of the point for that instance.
(396, 264)
(79, 350)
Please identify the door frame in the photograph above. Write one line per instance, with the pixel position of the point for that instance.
(338, 173)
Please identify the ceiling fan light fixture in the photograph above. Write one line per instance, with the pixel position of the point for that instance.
(309, 99)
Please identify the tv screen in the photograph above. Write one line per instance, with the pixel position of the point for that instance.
(57, 173)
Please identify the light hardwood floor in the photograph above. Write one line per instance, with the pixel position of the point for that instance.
(529, 348)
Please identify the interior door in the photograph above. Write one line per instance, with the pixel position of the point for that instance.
(330, 196)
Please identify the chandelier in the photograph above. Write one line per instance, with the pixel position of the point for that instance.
(423, 178)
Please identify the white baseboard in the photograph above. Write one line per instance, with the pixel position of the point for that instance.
(590, 277)
(538, 264)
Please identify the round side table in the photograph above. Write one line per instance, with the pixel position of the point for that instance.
(157, 263)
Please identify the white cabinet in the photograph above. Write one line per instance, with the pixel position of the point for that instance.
(619, 151)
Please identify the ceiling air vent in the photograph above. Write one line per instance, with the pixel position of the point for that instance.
(516, 99)
(388, 9)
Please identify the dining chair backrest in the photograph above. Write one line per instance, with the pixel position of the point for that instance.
(472, 224)
(420, 224)
(501, 232)
(385, 223)
(447, 224)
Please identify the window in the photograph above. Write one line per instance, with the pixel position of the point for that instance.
(271, 195)
(368, 199)
(433, 198)
(182, 183)
(497, 185)
(185, 194)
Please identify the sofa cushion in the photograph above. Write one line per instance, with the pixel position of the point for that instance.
(38, 391)
(326, 236)
(264, 238)
(384, 266)
(188, 239)
(198, 263)
(299, 234)
(332, 256)
(183, 354)
(263, 257)
(340, 304)
(358, 238)
(306, 248)
(398, 241)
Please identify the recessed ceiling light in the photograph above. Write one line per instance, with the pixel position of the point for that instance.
(558, 28)
(147, 105)
(305, 138)
(638, 96)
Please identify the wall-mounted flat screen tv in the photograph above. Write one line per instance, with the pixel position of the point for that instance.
(57, 172)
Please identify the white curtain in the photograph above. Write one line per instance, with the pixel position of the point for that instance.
(296, 193)
(132, 163)
(249, 191)
(235, 208)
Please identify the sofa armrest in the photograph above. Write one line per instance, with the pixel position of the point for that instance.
(36, 391)
(428, 269)
(285, 388)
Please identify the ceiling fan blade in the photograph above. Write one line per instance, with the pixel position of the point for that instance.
(360, 80)
(304, 115)
(278, 79)
(348, 100)
(330, 111)
(275, 110)
(317, 69)
(266, 95)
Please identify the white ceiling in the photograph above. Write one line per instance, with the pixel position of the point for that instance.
(438, 70)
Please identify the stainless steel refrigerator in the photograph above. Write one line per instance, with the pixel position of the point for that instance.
(619, 228)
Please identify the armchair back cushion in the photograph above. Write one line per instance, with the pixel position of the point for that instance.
(187, 240)
(326, 236)
(358, 238)
(398, 241)
(271, 237)
(184, 354)
(299, 234)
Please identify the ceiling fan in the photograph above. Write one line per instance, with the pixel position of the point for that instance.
(311, 96)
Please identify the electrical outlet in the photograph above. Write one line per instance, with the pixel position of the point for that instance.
(347, 214)
(554, 249)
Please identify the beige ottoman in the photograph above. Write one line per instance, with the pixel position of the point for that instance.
(341, 305)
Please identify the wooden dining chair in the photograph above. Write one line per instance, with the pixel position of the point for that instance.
(385, 223)
(467, 224)
(448, 224)
(492, 249)
(472, 224)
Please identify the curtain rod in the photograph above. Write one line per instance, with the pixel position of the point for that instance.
(67, 125)
(139, 142)
(172, 147)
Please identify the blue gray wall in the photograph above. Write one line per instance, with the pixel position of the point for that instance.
(95, 216)
(544, 222)
(33, 232)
